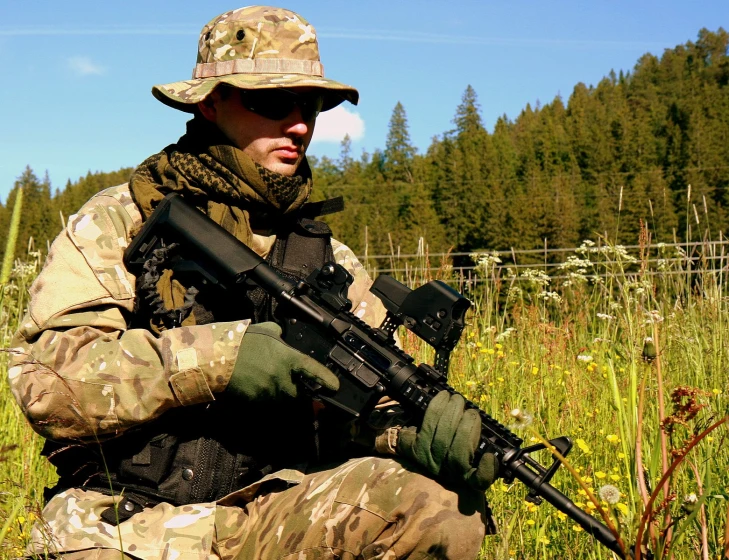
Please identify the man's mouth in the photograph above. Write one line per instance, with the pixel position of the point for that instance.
(288, 152)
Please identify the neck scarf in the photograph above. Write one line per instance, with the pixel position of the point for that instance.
(220, 180)
(224, 183)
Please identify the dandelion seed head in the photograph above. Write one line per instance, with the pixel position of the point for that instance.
(521, 419)
(609, 493)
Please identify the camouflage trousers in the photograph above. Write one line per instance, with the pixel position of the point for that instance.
(369, 508)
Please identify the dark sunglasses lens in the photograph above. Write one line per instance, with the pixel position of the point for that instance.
(273, 105)
(278, 104)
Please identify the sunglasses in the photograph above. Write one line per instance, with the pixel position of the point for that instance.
(277, 104)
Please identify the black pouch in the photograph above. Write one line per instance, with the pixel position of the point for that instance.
(151, 464)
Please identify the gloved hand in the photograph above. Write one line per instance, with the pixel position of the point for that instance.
(446, 443)
(265, 366)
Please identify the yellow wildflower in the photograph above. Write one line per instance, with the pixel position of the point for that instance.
(622, 507)
(498, 346)
(716, 391)
(612, 438)
(500, 354)
(544, 540)
(562, 516)
(577, 528)
(531, 522)
(535, 370)
(621, 455)
(500, 379)
(583, 446)
(615, 477)
(478, 345)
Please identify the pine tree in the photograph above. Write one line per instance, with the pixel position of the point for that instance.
(399, 152)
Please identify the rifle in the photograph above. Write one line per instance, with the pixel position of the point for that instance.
(316, 320)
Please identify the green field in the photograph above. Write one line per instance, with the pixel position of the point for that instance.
(574, 350)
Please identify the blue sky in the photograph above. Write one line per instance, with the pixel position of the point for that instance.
(77, 74)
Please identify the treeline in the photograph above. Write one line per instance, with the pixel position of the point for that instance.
(649, 145)
(44, 213)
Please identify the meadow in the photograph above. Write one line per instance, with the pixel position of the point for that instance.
(625, 352)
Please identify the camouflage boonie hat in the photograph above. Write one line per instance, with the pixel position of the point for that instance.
(255, 47)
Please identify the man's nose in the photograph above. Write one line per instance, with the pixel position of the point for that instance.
(295, 123)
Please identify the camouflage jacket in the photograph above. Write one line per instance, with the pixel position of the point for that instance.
(78, 371)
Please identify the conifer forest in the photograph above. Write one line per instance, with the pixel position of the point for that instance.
(630, 148)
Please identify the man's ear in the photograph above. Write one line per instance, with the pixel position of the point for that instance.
(207, 108)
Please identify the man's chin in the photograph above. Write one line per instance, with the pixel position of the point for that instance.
(287, 168)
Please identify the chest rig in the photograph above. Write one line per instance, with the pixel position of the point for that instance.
(201, 453)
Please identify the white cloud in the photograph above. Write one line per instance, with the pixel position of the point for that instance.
(332, 126)
(84, 66)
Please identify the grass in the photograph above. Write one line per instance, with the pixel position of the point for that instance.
(23, 472)
(595, 356)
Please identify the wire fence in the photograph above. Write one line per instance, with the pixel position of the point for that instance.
(666, 259)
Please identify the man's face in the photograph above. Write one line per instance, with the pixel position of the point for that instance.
(277, 145)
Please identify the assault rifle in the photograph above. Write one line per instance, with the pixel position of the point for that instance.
(317, 321)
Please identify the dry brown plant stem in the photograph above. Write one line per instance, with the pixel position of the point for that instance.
(664, 437)
(726, 535)
(647, 514)
(642, 488)
(611, 527)
(702, 515)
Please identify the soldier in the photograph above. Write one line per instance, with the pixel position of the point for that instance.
(171, 413)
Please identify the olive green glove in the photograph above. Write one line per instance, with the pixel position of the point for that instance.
(447, 441)
(267, 368)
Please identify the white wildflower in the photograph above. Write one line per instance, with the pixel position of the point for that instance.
(538, 277)
(506, 334)
(653, 317)
(550, 297)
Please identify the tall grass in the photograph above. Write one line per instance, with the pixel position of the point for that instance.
(23, 472)
(596, 356)
(12, 239)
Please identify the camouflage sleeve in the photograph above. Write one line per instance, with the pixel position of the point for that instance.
(76, 370)
(364, 304)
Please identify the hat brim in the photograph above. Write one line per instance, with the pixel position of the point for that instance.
(185, 95)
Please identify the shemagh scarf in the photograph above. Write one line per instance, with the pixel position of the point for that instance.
(223, 182)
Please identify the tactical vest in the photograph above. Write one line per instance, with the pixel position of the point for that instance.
(201, 453)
